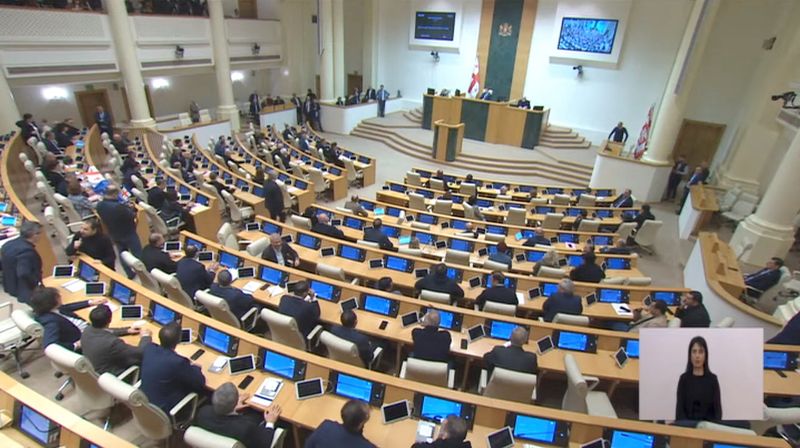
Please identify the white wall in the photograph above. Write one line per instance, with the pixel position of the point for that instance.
(353, 38)
(300, 47)
(29, 99)
(268, 9)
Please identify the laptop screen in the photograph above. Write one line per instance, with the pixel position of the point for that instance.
(612, 296)
(324, 290)
(379, 305)
(272, 275)
(216, 340)
(228, 260)
(308, 241)
(268, 227)
(776, 360)
(602, 240)
(351, 253)
(393, 211)
(501, 330)
(534, 255)
(398, 188)
(543, 209)
(162, 315)
(87, 273)
(425, 238)
(122, 293)
(465, 246)
(391, 232)
(567, 238)
(548, 288)
(458, 224)
(618, 263)
(632, 348)
(353, 387)
(195, 243)
(573, 341)
(671, 298)
(279, 364)
(37, 426)
(575, 260)
(534, 428)
(628, 439)
(574, 211)
(427, 219)
(507, 282)
(496, 230)
(437, 409)
(353, 223)
(484, 203)
(397, 263)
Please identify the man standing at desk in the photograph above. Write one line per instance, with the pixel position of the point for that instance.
(298, 107)
(619, 134)
(273, 197)
(22, 265)
(382, 95)
(486, 95)
(103, 120)
(255, 104)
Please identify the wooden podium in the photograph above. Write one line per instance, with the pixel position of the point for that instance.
(613, 148)
(447, 140)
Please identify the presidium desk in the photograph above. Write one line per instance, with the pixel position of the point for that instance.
(487, 121)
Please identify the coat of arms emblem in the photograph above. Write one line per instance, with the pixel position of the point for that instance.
(505, 29)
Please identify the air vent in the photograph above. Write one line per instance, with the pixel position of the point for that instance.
(174, 63)
(60, 69)
(272, 57)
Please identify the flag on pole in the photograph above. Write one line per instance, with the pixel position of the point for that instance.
(475, 82)
(644, 135)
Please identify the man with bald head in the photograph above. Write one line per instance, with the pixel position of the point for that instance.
(323, 226)
(280, 252)
(563, 301)
(513, 357)
(430, 343)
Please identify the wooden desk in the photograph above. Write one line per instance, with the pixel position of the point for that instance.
(696, 213)
(367, 168)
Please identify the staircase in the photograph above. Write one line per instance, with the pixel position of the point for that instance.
(414, 115)
(560, 172)
(558, 137)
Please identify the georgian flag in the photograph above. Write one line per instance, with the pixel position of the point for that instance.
(644, 135)
(475, 83)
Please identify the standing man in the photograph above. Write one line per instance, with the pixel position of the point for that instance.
(273, 197)
(22, 265)
(315, 115)
(298, 107)
(255, 105)
(696, 179)
(619, 134)
(120, 221)
(103, 120)
(308, 109)
(28, 127)
(382, 95)
(679, 169)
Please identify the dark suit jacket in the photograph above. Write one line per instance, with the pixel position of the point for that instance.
(96, 246)
(154, 257)
(379, 237)
(361, 340)
(58, 329)
(327, 229)
(306, 314)
(763, 279)
(511, 358)
(443, 443)
(246, 428)
(239, 302)
(590, 273)
(696, 316)
(22, 268)
(52, 146)
(534, 240)
(641, 217)
(57, 181)
(501, 257)
(332, 434)
(273, 197)
(63, 139)
(627, 202)
(289, 254)
(790, 335)
(431, 344)
(103, 120)
(167, 377)
(108, 352)
(193, 276)
(561, 303)
(118, 219)
(28, 129)
(156, 197)
(497, 294)
(616, 250)
(432, 282)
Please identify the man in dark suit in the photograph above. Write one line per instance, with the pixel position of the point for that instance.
(644, 215)
(369, 94)
(381, 95)
(288, 133)
(238, 302)
(376, 235)
(451, 435)
(430, 343)
(692, 312)
(103, 346)
(348, 434)
(619, 134)
(564, 301)
(698, 177)
(498, 292)
(255, 104)
(166, 376)
(51, 144)
(679, 170)
(273, 197)
(537, 238)
(323, 227)
(121, 224)
(60, 323)
(191, 274)
(103, 120)
(228, 415)
(279, 251)
(302, 306)
(63, 139)
(523, 103)
(624, 200)
(438, 281)
(790, 335)
(153, 255)
(156, 194)
(298, 107)
(28, 127)
(502, 254)
(512, 357)
(765, 278)
(619, 248)
(22, 265)
(588, 271)
(486, 95)
(348, 332)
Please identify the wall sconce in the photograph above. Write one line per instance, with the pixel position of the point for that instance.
(256, 49)
(54, 93)
(237, 76)
(178, 52)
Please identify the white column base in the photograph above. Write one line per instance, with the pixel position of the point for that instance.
(143, 123)
(230, 113)
(769, 240)
(647, 181)
(726, 180)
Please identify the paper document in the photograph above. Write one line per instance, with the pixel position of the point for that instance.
(622, 309)
(275, 290)
(74, 285)
(520, 298)
(251, 286)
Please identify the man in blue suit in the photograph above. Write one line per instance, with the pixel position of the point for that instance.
(564, 301)
(238, 302)
(348, 332)
(191, 274)
(624, 200)
(166, 376)
(376, 235)
(382, 95)
(302, 306)
(698, 177)
(348, 434)
(502, 254)
(103, 120)
(22, 265)
(766, 278)
(51, 144)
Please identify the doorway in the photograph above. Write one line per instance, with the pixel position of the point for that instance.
(354, 81)
(698, 141)
(87, 102)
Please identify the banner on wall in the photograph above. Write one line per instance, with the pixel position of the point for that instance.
(644, 135)
(475, 80)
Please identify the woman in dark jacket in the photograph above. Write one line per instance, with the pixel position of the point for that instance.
(91, 240)
(698, 389)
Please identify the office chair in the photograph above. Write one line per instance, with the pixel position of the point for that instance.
(508, 385)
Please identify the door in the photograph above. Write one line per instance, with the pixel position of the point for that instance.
(147, 97)
(354, 81)
(87, 102)
(698, 141)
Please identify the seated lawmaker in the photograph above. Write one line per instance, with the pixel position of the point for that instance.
(279, 251)
(790, 335)
(91, 240)
(549, 260)
(644, 215)
(348, 434)
(323, 226)
(764, 278)
(655, 316)
(386, 284)
(354, 205)
(513, 357)
(502, 255)
(430, 343)
(623, 200)
(469, 231)
(523, 103)
(153, 255)
(537, 238)
(498, 292)
(563, 301)
(191, 274)
(588, 271)
(166, 376)
(692, 312)
(348, 332)
(451, 435)
(619, 248)
(229, 416)
(238, 302)
(104, 348)
(438, 281)
(61, 325)
(302, 306)
(376, 235)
